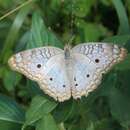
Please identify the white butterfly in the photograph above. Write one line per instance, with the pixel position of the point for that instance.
(70, 72)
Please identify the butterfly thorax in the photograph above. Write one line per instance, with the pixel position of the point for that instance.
(67, 52)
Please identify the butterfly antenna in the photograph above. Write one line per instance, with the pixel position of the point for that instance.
(70, 40)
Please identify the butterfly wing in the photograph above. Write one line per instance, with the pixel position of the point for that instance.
(91, 60)
(45, 66)
(102, 54)
(86, 76)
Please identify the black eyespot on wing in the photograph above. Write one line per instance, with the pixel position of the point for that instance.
(51, 79)
(87, 75)
(76, 84)
(38, 65)
(64, 86)
(97, 60)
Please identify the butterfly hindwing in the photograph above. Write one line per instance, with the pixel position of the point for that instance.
(85, 75)
(55, 81)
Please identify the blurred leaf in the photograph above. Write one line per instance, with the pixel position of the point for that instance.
(5, 3)
(124, 81)
(123, 19)
(39, 107)
(11, 79)
(90, 31)
(10, 111)
(124, 65)
(33, 88)
(40, 35)
(105, 124)
(6, 125)
(79, 8)
(13, 32)
(120, 107)
(118, 39)
(22, 42)
(47, 123)
(106, 2)
(65, 111)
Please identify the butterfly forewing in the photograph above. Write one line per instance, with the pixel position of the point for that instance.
(44, 65)
(32, 62)
(102, 54)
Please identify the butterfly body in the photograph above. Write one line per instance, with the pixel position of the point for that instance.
(70, 72)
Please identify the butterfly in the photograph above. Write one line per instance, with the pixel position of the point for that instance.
(70, 72)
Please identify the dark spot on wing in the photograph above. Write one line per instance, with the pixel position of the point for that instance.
(38, 65)
(64, 86)
(97, 60)
(51, 79)
(87, 75)
(76, 84)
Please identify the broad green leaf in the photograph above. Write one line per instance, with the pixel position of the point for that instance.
(47, 123)
(39, 107)
(123, 18)
(40, 35)
(10, 111)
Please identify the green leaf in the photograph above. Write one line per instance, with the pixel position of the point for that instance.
(124, 65)
(47, 123)
(89, 31)
(10, 111)
(120, 107)
(118, 39)
(11, 79)
(104, 124)
(33, 88)
(6, 125)
(40, 35)
(14, 32)
(39, 107)
(123, 18)
(65, 111)
(22, 42)
(79, 8)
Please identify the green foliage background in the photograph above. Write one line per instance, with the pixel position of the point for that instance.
(48, 22)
